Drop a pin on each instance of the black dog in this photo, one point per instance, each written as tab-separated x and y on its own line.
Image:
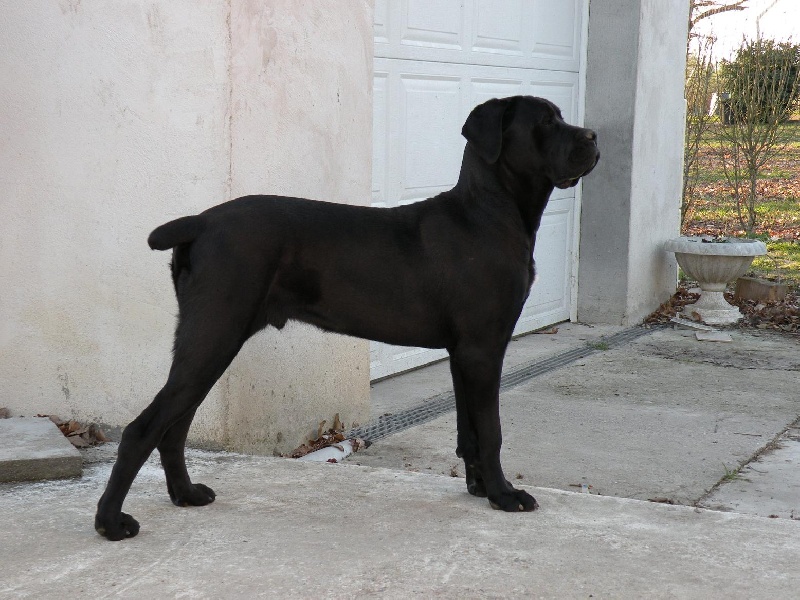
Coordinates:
450	272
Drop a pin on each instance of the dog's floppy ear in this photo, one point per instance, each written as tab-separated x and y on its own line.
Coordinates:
484	128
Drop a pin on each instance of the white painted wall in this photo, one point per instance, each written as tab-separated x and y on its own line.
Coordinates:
117	116
658	137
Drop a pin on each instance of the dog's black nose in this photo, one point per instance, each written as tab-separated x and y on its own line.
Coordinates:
591	135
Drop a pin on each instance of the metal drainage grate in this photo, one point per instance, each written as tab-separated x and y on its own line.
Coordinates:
386	425
436	406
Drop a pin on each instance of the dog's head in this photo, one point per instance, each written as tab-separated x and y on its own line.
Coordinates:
530	137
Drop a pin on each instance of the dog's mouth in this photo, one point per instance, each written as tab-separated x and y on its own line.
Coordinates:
568	183
564	184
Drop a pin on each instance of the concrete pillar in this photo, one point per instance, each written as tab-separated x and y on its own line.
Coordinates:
631	203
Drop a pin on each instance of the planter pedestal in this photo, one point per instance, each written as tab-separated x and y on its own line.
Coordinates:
713	309
713	265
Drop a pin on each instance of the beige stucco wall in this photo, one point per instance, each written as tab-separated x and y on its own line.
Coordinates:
117	116
302	106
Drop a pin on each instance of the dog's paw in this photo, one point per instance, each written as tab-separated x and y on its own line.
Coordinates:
475	484
514	501
116	528
196	494
477	488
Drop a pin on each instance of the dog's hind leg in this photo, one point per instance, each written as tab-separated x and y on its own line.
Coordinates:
181	490
476	382
207	340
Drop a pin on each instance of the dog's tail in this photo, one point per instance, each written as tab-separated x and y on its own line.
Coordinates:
174	233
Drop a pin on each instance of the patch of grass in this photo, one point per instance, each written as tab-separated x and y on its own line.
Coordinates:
776	173
601	345
782	261
791	130
710	209
779	210
731	474
782	212
710	175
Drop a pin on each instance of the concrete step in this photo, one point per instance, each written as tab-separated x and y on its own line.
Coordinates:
33	449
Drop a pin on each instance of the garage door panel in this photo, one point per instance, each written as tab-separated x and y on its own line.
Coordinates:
380	122
553	252
435	60
563	94
380	29
482	90
388	360
431	112
418	117
556	29
432	23
498	27
549	298
519	33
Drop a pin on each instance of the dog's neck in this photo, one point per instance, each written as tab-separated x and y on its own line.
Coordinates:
527	195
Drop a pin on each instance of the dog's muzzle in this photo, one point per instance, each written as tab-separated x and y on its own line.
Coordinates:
573	181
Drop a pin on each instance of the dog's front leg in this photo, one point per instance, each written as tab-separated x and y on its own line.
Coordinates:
467	447
476	383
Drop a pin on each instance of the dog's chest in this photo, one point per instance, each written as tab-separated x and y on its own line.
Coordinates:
531	272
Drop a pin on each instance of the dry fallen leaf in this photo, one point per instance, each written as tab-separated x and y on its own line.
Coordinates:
337	424
550	331
325	438
672	307
781	316
78	441
81	436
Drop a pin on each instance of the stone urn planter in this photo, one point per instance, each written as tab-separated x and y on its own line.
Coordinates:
713	263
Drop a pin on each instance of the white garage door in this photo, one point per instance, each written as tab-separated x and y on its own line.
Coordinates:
434	61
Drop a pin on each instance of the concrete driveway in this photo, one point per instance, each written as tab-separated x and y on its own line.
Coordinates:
659	417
